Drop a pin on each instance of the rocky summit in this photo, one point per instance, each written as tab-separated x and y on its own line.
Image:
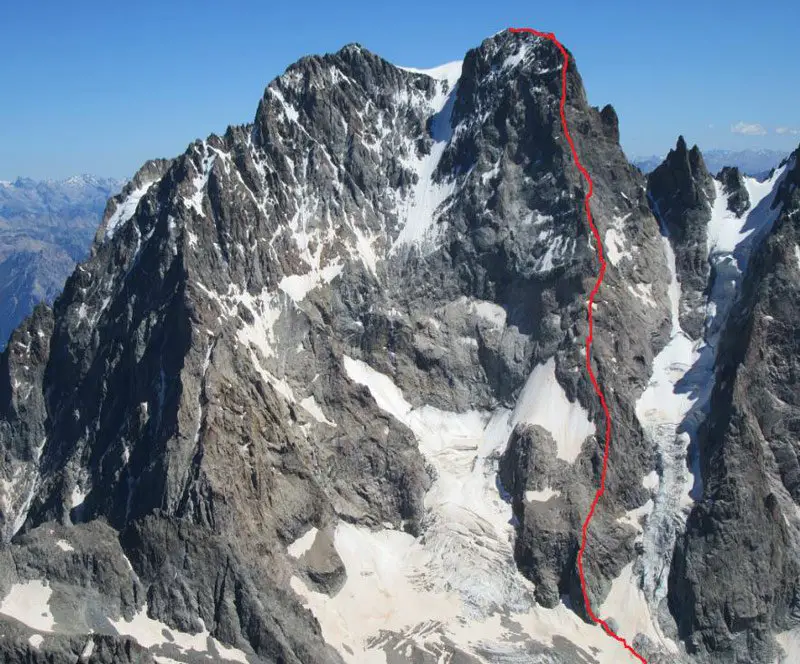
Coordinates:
319	393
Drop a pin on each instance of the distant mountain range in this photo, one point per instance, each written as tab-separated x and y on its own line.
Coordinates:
755	163
46	227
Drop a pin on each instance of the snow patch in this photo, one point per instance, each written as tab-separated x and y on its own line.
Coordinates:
291	111
200	181
614	243
488	311
543	402
64	545
77	496
297	286
628	606
790	644
302	544
312	407
266	310
643	292
126	209
88	649
541	496
36	640
29	603
150	633
651	480
513	60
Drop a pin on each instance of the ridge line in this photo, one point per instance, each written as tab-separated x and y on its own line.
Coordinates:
598	390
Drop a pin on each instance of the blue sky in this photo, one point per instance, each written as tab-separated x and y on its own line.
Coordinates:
99	87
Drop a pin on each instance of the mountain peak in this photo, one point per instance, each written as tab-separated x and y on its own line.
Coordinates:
681	192
354	331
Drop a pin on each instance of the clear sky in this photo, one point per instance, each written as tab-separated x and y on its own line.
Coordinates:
99	87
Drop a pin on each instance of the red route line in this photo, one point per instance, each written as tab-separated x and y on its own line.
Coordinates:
600	491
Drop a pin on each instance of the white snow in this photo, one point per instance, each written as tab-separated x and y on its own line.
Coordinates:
458	579
64	545
628	606
559	250
651	480
790	643
614	243
297	286
449	72
643	293
77	496
200	180
392	586
16	494
266	310
88	649
725	229
513	60
302	544
312	407
614	246
150	633
458	583
423	205
541	496
661	409
291	111
29	603
488	311
543	402
35	640
126	209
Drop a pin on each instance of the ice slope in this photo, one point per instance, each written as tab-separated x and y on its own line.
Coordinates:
567	421
423	206
456	586
126	209
675	402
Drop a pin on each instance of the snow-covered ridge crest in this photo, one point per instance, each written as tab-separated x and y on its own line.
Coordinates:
449	72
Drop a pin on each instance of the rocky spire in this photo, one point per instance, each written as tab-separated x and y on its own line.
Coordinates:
681	192
733	186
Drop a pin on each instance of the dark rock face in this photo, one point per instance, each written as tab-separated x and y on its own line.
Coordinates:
45	228
681	192
733	186
743	533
